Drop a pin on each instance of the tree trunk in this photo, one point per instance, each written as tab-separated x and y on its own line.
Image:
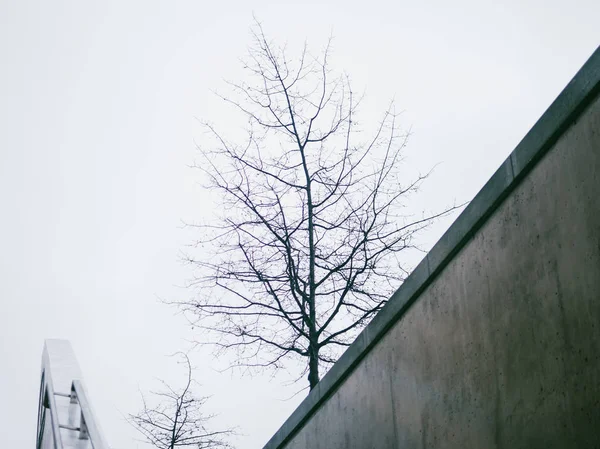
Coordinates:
313	366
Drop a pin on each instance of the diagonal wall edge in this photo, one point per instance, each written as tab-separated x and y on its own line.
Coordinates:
564	111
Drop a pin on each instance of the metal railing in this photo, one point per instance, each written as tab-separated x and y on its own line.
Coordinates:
62	424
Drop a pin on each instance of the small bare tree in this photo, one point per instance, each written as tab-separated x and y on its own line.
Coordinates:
178	419
305	249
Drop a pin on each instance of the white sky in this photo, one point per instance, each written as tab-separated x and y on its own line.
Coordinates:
97	106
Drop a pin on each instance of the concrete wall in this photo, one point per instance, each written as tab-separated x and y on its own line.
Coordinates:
494	341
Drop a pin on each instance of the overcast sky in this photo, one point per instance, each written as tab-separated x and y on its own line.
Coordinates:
97	128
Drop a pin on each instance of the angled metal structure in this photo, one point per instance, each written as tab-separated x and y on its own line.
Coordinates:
65	418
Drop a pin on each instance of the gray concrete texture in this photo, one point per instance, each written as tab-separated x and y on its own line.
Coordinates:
501	349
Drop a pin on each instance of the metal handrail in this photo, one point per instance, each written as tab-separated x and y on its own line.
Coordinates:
41	412
88	427
53	411
61	371
88	424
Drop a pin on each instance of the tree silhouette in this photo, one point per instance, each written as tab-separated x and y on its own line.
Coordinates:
306	246
178	419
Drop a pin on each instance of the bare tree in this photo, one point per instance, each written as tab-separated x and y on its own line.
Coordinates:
305	249
178	420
